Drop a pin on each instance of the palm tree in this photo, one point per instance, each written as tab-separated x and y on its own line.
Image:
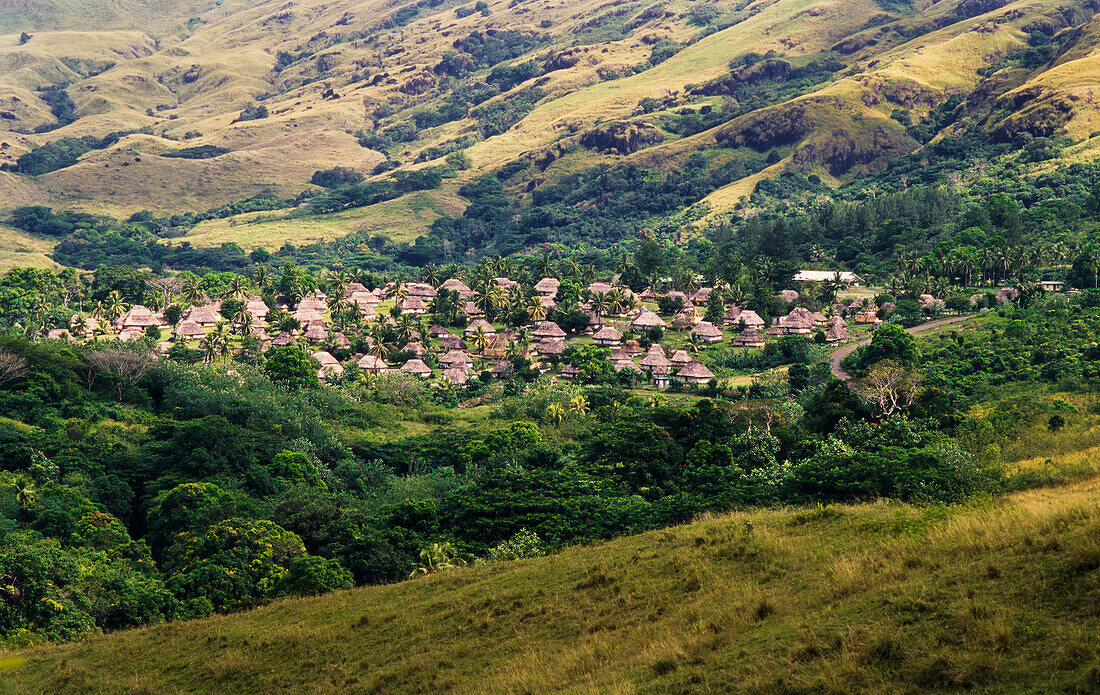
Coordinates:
490	299
1093	259
25	493
115	307
601	303
535	309
406	328
261	276
238	287
430	275
622	263
242	321
545	265
437	557
578	404
480	339
555	413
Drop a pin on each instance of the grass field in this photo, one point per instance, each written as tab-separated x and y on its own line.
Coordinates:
994	597
18	248
402	219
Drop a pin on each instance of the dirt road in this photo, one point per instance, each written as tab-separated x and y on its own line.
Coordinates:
836	357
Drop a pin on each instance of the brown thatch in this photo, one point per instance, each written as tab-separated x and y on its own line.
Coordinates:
547	286
550	346
750	337
548	329
416	366
455	358
608	336
695	372
655	359
707	331
646	320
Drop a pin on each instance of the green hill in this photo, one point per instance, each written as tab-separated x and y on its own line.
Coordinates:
877	598
283	89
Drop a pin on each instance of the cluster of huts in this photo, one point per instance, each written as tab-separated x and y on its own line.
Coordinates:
456	351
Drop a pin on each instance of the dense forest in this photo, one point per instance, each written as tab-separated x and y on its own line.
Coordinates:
143	489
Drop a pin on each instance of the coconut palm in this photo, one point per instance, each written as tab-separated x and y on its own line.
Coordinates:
242	321
578	404
555	413
437	557
535	309
490	299
23	486
600	303
114	307
430	274
480	339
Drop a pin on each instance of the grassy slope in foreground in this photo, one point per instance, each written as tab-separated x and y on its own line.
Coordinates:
873	598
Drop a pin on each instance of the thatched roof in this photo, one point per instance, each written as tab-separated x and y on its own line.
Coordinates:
310	303
420	289
325	359
548	329
835	332
455	357
416	366
751	319
459	376
138	317
608	333
372	363
706	329
188	330
456	285
203	315
695	371
480	323
416	348
647	319
680	357
283	339
749	336
655	358
413	303
789	296
547	286
550	346
451	342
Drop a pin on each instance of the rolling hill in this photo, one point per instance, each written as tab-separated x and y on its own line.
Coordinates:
277	90
856	599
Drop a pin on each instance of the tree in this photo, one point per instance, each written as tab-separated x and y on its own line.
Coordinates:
185	510
168	286
888	387
234	564
291	366
12	366
125	367
309	575
437	557
891	342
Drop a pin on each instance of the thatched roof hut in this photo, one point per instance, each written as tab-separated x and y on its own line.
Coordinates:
695	373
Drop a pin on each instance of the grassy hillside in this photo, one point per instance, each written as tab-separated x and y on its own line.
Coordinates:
995	597
326	72
18	248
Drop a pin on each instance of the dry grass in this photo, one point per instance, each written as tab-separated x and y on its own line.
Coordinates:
18	248
402	220
869	598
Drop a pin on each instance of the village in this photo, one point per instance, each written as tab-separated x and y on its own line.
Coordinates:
662	337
